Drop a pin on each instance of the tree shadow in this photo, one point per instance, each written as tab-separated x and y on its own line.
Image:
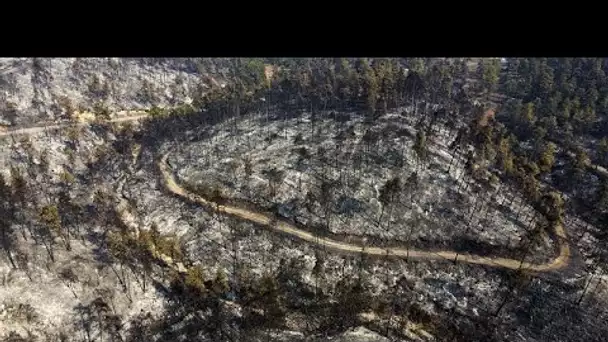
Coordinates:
550	313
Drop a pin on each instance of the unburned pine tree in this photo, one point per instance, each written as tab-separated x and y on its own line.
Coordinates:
220	283
50	225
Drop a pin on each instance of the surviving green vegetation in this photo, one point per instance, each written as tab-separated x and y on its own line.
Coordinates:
415	198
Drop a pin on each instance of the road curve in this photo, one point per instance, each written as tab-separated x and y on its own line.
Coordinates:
559	262
278	225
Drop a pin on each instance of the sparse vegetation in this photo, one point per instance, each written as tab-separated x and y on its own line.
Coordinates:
295	199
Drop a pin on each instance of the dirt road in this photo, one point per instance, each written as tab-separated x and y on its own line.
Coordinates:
40	129
560	261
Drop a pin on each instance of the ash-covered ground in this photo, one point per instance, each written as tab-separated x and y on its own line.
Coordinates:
440	211
47	297
427	217
218	162
42	90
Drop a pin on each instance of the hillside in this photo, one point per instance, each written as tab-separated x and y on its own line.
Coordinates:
303	200
43	90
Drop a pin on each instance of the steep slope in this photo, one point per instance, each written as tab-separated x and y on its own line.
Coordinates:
36	90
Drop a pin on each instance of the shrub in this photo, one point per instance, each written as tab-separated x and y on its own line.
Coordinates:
157	111
101	111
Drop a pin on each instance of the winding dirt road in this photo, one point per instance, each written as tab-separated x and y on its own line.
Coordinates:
278	225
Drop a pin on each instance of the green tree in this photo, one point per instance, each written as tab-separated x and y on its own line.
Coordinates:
552	206
505	156
508	166
581	161
194	279
488	71
566	111
220	283
142	250
417	65
547	158
101	111
545	83
370	89
51	225
550	124
531	187
346	82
